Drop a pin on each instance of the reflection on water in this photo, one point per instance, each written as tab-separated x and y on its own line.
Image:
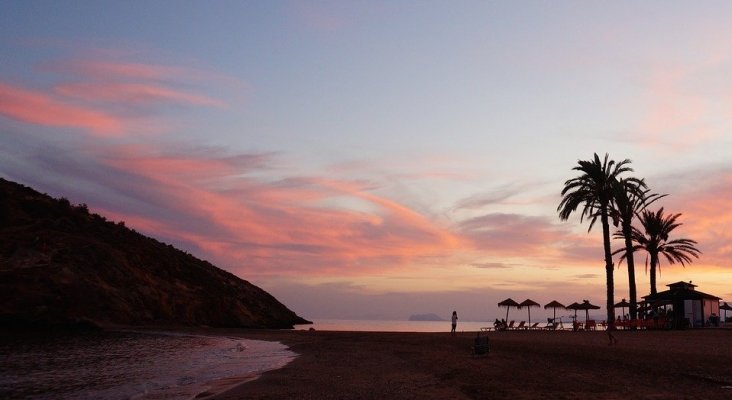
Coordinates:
128	365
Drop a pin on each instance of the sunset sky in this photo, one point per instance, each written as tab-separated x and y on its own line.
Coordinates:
375	159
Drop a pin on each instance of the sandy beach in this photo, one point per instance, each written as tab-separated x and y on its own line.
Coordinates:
692	364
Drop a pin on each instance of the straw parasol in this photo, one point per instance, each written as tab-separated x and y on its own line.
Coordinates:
554	304
622	304
587	306
574	306
508	303
725	307
528	303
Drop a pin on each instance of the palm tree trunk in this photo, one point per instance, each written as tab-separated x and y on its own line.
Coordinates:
631	271
609	267
654	263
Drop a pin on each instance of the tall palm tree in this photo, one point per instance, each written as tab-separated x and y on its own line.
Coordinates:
631	197
593	190
655	240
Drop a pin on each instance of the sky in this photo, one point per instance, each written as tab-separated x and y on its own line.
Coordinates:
373	160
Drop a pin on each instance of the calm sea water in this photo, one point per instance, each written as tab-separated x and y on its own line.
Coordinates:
392	326
130	365
407	326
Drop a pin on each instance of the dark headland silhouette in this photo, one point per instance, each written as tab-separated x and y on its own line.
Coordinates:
61	266
426	317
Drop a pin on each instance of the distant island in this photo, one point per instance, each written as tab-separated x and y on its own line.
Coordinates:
62	266
425	317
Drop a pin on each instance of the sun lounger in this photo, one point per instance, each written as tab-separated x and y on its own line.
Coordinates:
590	325
535	325
520	326
551	326
510	325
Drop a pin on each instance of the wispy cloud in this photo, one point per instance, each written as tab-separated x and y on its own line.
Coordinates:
587	276
685	102
40	108
236	210
702	196
492	265
105	70
143	94
481	200
514	234
105	98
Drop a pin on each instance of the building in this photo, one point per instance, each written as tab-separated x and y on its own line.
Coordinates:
691	308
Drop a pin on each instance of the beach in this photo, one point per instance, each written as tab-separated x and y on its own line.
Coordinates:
690	364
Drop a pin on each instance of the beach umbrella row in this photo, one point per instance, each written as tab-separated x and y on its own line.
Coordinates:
528	303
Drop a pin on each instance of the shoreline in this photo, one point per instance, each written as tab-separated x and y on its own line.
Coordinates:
521	365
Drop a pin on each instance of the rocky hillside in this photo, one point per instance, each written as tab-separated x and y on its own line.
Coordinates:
62	266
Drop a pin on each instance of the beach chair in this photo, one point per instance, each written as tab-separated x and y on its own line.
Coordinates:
521	325
590	325
551	326
510	325
534	326
481	345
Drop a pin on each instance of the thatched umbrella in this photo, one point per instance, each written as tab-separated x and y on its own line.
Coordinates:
528	303
725	307
554	304
575	307
508	303
622	304
587	306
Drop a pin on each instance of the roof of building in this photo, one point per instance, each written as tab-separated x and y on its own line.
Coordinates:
679	291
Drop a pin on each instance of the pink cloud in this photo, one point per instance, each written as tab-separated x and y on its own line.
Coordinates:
686	102
106	98
704	198
132	93
515	235
281	226
674	115
42	109
105	70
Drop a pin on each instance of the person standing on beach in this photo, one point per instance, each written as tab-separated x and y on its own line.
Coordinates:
454	322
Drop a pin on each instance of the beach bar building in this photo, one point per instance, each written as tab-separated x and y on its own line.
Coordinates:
691	308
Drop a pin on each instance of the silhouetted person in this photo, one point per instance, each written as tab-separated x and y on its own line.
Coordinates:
454	322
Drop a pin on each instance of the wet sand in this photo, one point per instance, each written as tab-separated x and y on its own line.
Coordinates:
692	364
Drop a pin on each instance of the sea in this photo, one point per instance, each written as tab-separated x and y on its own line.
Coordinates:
130	365
391	326
414	326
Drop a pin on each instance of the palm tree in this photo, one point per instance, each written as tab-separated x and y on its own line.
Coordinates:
593	190
631	197
655	240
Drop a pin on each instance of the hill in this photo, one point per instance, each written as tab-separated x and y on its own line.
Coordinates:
425	317
63	266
